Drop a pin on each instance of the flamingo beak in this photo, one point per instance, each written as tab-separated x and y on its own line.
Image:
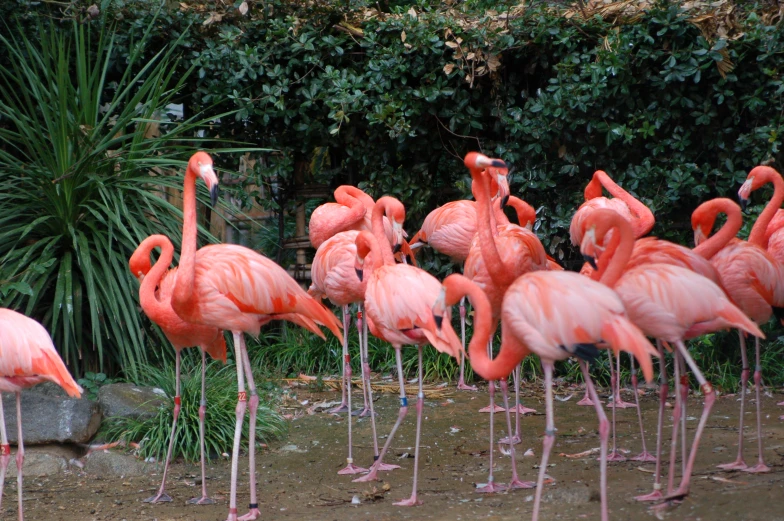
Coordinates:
699	236
592	261
359	273
214	195
438	309
743	203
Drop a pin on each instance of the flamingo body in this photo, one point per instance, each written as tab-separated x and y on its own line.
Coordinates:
332	271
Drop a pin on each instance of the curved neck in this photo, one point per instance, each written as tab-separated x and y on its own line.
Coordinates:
374	251
619	251
757	235
726	233
384	249
186	273
643	216
153	307
495	267
353	197
526	215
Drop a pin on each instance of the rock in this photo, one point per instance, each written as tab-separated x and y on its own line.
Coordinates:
48	419
130	401
43	460
109	463
49	389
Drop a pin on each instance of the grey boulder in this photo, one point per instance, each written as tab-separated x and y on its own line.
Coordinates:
51	419
130	401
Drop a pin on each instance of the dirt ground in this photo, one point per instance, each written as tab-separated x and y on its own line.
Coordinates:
298	480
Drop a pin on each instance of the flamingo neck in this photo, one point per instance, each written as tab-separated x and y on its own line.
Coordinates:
384	249
495	266
355	199
726	233
643	216
153	307
620	251
182	294
757	235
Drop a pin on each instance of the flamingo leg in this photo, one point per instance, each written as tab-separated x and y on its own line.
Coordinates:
760	466
413	501
343	407
518	409
253	405
644	455
350	468
461	385
684	399
676	414
491	485
373	474
663	389
204	499
515	483
739	464
19	454
5	450
549	436
710	398
614	403
161	496
362	359
492	407
240	416
617	400
603	434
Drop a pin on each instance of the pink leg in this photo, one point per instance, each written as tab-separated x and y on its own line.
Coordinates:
603	433
739	464
204	499
710	397
663	388
492	407
253	405
684	399
644	455
676	414
586	401
365	388
491	486
461	385
615	386
350	468
366	373
413	501
760	466
617	400
240	416
162	496
515	483
373	474
343	407
549	435
19	453
518	409
5	450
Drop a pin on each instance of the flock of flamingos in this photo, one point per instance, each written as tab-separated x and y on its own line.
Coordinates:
630	289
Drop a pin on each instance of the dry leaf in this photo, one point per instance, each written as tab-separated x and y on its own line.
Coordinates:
493	62
407	45
403	37
183	6
413	13
470	56
243	8
448	68
451	45
561	151
214	17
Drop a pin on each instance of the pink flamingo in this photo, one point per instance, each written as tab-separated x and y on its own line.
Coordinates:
29	358
657	299
494	263
233	288
157	283
642	220
401	316
334	277
555	314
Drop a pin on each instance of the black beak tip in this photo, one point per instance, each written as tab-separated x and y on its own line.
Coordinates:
743	203
504	201
497	163
590	260
397	247
359	274
214	195
439	321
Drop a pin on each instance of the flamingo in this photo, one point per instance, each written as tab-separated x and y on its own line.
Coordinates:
334	277
642	220
155	293
401	316
233	288
554	314
657	299
755	282
29	358
495	262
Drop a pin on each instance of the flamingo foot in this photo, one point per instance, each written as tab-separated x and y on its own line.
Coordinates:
387	466
351	469
738	464
656	495
677	495
410	502
759	468
370	476
780	403
490	488
462	386
204	500
522	409
357	412
620	404
252	514
517	484
343	407
498	408
365	412
614	456
586	401
505	441
644	457
160	497
781	417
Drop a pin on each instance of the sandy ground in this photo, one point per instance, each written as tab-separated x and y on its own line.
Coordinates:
298	480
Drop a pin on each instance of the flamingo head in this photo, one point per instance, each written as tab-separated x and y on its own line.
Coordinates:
704	216
758	176
200	165
439	308
363	244
597	226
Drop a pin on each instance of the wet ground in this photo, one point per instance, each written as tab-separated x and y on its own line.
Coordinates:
298	480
